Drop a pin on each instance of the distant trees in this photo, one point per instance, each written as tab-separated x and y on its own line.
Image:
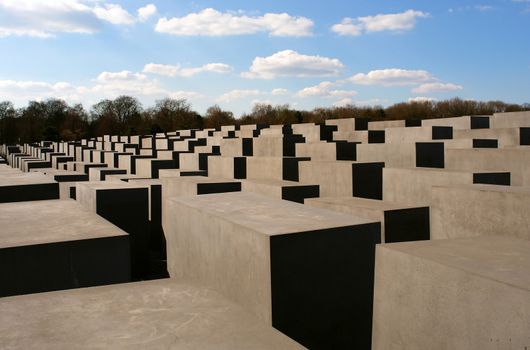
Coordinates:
171	114
215	118
54	119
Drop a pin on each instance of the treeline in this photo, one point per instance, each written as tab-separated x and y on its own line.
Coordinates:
56	120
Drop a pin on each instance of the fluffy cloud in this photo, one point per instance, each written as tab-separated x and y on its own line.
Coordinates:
176	70
22	91
210	22
382	22
279	92
436	87
289	63
235	95
114	14
44	19
324	90
106	85
421	99
146	12
393	77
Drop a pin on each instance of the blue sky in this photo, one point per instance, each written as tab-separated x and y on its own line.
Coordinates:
237	53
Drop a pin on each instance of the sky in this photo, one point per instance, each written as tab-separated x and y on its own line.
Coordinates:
304	53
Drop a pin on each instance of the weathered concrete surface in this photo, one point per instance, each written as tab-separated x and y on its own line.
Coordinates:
468	293
473	210
40	222
146	315
234	243
280	189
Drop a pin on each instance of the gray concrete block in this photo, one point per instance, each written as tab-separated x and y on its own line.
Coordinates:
470	293
278	259
57	244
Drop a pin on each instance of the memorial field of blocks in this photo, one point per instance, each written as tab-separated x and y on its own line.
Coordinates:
352	234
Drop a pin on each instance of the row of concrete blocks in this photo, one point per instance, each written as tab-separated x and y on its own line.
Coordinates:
377	339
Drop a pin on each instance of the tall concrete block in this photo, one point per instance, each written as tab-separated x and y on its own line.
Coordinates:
470	293
306	271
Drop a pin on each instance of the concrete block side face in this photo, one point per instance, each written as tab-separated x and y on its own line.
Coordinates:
411	224
240	168
215	252
299	193
346	150
492	178
367	180
478	122
430	154
458	212
322	286
220	187
524	136
248	147
361	123
290	168
485	143
64	265
157	165
32	192
442	132
129	210
420	304
376	136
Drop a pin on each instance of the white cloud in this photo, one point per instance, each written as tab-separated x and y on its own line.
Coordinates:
343	102
237	95
44	19
421	99
146	12
279	92
177	70
114	14
393	77
382	22
261	102
186	95
210	22
289	63
436	87
22	91
324	90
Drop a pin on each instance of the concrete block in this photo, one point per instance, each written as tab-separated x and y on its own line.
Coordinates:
151	315
413	186
399	222
470	293
514	160
227	167
274	168
278	260
56	244
281	189
126	206
344	178
18	186
471	210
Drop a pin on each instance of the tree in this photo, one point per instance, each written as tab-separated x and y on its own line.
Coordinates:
175	114
8	127
215	118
